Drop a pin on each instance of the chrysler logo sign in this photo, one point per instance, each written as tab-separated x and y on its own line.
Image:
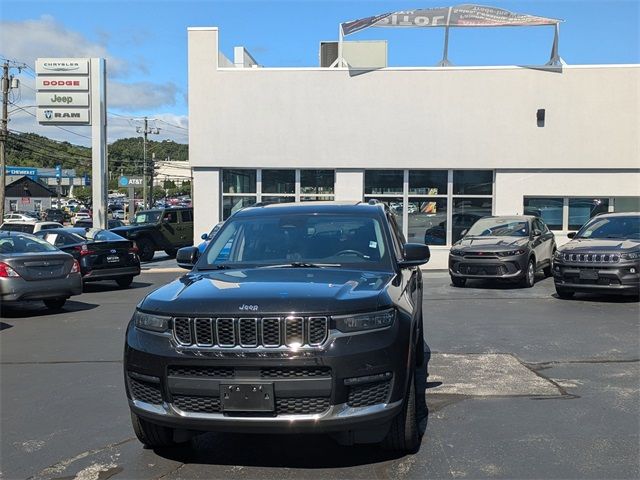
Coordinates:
61	66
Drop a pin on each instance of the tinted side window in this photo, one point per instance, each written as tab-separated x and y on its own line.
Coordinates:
186	216
396	236
171	217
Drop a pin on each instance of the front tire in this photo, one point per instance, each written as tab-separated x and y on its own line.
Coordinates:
146	249
404	433
54	303
529	278
564	293
150	434
458	282
124	282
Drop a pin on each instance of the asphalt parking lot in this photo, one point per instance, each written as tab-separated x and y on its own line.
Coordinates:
522	385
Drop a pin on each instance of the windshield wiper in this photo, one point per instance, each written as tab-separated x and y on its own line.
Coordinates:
303	265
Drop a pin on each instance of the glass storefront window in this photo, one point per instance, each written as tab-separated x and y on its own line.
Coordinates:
319	198
238	181
383	182
428	182
231	204
548	209
427	221
626	204
278	181
466	211
313	182
277	199
473	182
583	209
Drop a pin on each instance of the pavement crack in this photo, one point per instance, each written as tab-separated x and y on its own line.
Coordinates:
172	471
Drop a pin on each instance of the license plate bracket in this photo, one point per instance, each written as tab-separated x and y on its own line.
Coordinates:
247	397
589	275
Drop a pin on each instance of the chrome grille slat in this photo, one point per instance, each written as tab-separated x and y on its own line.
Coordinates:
294	331
248	332
253	332
226	332
203	331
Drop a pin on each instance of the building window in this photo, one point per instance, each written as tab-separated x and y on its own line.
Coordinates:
581	210
279	181
549	209
239	181
435	206
626	204
244	187
383	182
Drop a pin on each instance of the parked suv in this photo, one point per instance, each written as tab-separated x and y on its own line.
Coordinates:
165	229
296	318
603	257
504	248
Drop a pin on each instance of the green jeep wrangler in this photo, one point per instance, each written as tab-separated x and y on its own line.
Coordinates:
165	229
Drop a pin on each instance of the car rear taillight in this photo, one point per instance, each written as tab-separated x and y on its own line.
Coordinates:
76	267
134	248
84	250
7	272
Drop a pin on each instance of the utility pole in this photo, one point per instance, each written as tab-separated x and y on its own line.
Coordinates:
145	131
6	83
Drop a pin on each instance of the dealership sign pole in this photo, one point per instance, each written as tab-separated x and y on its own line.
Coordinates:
72	91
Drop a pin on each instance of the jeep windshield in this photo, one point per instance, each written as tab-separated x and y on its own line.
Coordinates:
623	227
301	240
152	216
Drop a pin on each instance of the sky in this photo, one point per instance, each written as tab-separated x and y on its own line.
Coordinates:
145	44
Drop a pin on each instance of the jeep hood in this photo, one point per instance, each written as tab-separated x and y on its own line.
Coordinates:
258	292
595	245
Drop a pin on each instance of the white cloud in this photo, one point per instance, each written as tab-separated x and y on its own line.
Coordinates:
139	96
45	37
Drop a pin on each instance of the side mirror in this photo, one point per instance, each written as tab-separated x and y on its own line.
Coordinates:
571	234
187	257
415	254
204	236
463	232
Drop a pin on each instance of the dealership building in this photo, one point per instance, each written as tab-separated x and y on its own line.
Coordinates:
442	146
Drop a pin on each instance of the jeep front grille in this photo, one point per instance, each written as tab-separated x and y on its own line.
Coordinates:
269	332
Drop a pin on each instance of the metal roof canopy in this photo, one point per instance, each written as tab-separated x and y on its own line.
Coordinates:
465	15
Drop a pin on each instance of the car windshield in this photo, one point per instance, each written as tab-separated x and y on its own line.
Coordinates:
23	244
612	227
147	217
337	240
499	227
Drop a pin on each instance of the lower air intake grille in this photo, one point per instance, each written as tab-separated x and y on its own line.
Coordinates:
301	406
197	371
145	392
295	372
365	395
188	403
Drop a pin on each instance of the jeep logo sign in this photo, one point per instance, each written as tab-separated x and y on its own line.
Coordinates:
70	99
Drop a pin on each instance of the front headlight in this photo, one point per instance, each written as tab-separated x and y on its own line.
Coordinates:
557	255
630	256
512	253
365	321
456	252
147	321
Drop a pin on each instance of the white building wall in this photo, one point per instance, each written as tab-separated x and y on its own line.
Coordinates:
349	184
206	199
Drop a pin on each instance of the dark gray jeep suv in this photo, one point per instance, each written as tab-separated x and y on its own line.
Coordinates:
602	257
296	318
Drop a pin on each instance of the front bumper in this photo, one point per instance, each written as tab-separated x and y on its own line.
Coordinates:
620	278
491	266
19	289
325	402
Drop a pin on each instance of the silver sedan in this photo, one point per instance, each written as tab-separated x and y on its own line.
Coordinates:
32	269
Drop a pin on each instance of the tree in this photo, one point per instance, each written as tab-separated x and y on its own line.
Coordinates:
82	194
